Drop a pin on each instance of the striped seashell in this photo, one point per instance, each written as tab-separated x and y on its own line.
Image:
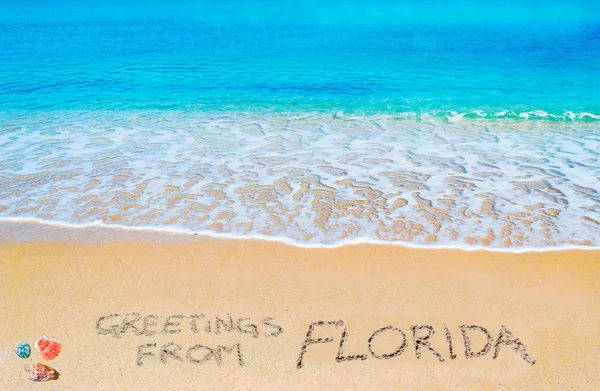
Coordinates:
23	350
47	348
41	372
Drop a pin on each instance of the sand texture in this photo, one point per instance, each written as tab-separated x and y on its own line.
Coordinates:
216	314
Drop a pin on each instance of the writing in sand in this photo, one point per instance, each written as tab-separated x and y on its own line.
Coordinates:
421	336
117	325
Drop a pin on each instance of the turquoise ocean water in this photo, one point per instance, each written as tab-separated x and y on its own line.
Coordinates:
427	122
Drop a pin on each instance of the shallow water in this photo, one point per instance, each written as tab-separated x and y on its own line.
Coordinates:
416	123
313	178
134	59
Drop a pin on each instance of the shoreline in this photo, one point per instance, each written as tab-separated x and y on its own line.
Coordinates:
299	178
32	229
156	285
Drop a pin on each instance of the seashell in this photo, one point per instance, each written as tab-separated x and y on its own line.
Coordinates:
41	372
23	350
47	348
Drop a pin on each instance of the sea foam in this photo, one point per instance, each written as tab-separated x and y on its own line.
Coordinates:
309	178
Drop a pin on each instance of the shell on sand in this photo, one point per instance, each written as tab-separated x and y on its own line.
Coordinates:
41	372
23	350
47	348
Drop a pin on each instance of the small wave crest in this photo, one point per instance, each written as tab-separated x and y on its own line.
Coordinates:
533	115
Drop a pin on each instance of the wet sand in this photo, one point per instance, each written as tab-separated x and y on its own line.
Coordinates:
116	300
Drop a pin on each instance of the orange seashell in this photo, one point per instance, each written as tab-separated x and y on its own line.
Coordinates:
41	372
47	348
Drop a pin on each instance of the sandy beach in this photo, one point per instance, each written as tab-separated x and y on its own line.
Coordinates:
157	312
299	195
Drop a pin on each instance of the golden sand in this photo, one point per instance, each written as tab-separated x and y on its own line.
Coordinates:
117	304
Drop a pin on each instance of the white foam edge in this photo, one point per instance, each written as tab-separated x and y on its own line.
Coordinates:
292	242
